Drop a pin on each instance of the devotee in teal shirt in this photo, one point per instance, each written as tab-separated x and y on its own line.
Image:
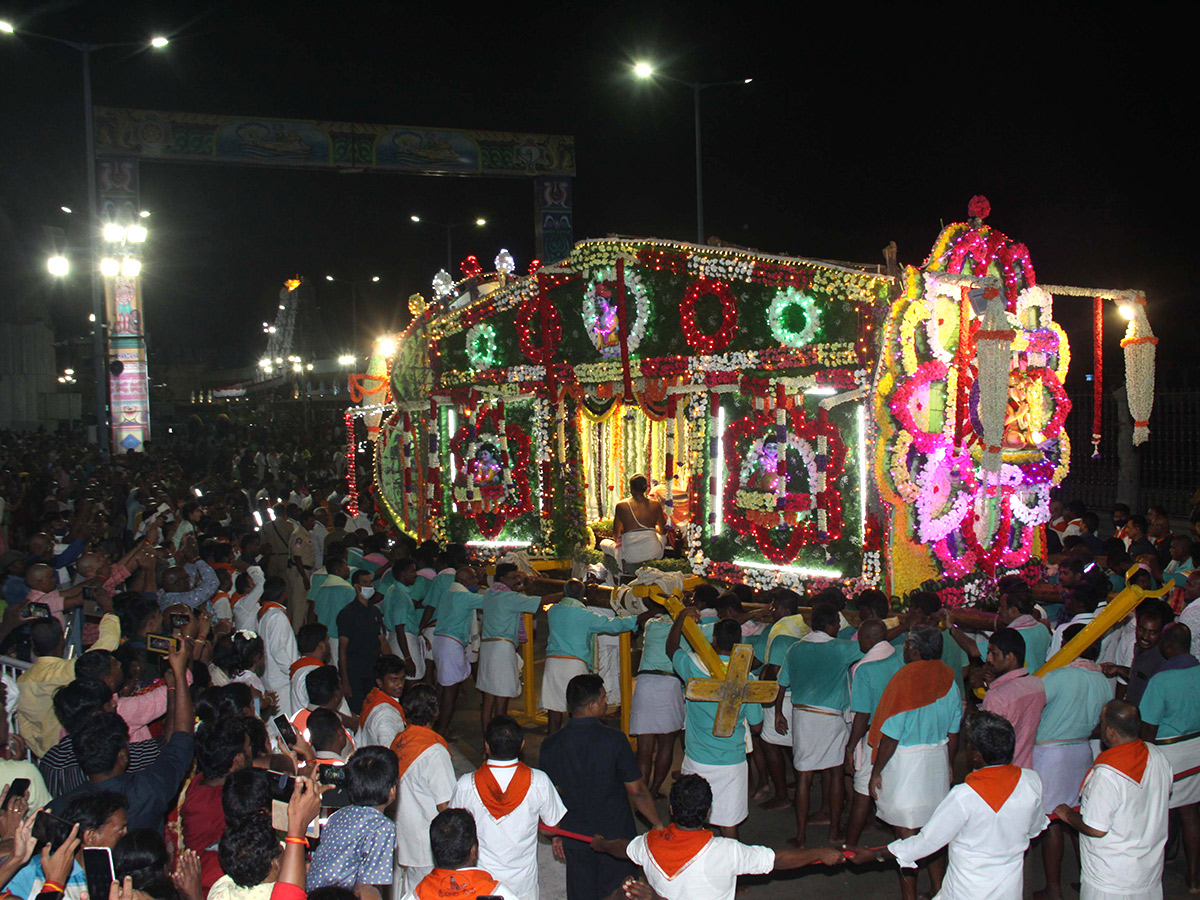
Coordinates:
870	679
572	626
701	744
816	669
1171	702
502	611
654	645
456	610
333	597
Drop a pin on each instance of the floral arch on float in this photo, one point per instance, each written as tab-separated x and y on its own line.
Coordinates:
804	422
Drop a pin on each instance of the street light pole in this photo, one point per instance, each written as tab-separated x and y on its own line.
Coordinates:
478	223
103	438
85	50
644	71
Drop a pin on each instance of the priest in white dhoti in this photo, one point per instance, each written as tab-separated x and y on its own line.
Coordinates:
1122	821
639	524
508	799
1170	711
913	737
987	822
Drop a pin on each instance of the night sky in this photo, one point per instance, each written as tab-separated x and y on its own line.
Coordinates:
865	123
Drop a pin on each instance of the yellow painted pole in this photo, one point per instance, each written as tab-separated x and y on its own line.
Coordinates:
1118	608
626	639
527	659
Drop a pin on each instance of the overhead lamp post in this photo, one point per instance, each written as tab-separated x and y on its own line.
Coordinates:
85	51
354	285
646	72
478	223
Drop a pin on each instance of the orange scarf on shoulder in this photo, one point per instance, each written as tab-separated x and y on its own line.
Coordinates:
500	803
262	610
995	784
375	697
455	884
673	848
1128	759
412	742
304	662
917	684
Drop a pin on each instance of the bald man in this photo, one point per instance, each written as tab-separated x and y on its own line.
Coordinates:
43	588
192	584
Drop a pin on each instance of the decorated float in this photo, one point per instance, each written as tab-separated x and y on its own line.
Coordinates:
804	422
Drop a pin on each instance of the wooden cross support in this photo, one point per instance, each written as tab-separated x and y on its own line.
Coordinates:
733	690
730	686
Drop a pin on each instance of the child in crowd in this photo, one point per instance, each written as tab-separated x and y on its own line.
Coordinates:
358	842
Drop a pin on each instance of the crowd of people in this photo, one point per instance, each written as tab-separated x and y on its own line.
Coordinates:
240	685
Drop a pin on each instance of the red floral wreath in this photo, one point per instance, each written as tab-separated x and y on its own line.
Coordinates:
491	518
739	436
539	348
719	339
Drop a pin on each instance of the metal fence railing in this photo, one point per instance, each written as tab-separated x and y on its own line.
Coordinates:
1167	470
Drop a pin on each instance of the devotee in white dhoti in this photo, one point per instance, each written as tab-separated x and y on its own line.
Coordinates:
987	822
1122	820
913	737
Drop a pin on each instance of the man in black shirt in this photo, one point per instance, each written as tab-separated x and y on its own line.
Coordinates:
360	625
596	774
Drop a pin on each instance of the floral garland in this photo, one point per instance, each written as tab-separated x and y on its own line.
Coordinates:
943	504
719	339
483	350
1139	346
600	316
491	505
785	300
824	524
540	314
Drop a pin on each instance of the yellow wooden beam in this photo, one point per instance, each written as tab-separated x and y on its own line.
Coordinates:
626	649
527	658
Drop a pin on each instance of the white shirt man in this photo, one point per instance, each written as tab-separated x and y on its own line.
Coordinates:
987	831
426	785
1122	819
508	843
245	610
711	874
279	645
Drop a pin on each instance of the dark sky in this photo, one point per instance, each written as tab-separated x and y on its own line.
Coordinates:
865	123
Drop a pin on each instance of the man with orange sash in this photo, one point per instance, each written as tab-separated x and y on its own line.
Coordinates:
312	643
1122	821
426	783
455	875
507	798
986	822
279	641
381	717
686	861
913	737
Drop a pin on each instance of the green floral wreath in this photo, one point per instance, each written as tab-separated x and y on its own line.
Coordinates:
784	300
482	350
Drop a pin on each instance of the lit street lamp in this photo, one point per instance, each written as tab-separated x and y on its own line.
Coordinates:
85	51
646	71
478	223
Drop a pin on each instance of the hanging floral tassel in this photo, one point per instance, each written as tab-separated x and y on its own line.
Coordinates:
1097	372
1139	346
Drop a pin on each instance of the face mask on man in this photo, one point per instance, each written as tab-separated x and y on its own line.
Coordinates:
368	592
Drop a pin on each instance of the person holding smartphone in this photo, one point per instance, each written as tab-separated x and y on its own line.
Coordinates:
106	735
15	770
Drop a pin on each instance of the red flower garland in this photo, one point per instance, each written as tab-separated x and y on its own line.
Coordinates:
719	339
517	502
541	349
